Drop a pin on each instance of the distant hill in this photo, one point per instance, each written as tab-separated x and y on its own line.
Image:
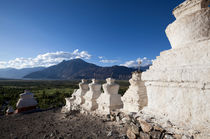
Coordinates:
79	69
12	73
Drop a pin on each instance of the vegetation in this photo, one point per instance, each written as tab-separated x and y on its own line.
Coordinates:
48	93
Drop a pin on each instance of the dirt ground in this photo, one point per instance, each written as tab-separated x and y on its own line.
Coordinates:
54	124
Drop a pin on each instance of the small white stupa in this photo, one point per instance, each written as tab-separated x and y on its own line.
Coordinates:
78	95
10	110
69	104
135	98
26	102
72	103
91	96
110	99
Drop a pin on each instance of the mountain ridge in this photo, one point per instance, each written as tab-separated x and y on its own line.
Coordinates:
80	69
12	73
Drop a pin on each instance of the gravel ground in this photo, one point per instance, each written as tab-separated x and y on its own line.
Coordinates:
54	124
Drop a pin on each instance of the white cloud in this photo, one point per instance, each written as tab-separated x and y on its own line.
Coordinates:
44	60
108	61
134	63
100	57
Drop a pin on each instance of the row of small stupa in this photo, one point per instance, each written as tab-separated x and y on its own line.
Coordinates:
91	98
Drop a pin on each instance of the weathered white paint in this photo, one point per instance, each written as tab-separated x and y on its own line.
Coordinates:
110	99
135	98
26	100
178	82
91	96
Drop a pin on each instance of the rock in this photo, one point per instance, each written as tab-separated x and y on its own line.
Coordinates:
52	134
134	129
109	134
123	136
126	120
144	135
158	128
132	114
121	115
108	116
155	134
169	123
168	136
186	137
112	118
146	127
117	118
130	134
46	136
57	132
177	136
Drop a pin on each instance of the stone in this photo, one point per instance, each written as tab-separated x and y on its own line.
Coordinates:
109	134
10	110
155	134
158	128
130	134
178	82
112	118
123	136
26	102
135	98
108	116
177	136
186	137
146	127
135	129
168	136
109	100
117	118
125	120
91	96
144	135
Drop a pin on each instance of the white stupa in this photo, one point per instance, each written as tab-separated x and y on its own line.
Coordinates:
69	104
178	82
72	103
91	96
26	102
78	95
135	98
110	99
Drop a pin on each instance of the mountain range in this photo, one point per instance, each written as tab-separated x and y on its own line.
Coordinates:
79	69
70	70
11	73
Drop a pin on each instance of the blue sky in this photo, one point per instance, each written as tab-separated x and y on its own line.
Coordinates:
117	31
